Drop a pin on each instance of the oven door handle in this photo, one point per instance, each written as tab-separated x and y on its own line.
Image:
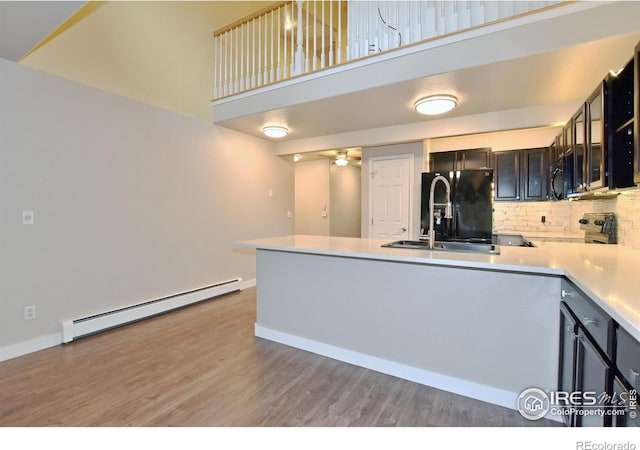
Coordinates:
553	184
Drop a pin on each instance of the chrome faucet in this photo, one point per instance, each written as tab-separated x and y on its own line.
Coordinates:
448	213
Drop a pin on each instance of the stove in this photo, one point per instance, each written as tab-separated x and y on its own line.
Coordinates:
599	228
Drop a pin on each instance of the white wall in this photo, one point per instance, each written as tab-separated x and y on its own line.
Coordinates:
131	202
345	201
312	197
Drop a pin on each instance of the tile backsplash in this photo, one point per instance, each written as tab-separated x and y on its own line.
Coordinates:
563	216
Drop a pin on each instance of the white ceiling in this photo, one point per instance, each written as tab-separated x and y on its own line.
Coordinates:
24	24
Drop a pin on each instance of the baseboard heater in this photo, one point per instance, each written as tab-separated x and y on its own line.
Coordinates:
73	329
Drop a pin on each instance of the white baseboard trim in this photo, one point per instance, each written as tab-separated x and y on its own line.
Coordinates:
446	383
246	284
22	348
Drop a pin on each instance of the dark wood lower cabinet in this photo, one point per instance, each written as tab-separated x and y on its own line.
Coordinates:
567	366
593	380
585	373
598	370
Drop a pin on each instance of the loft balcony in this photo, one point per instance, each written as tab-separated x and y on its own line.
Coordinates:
338	67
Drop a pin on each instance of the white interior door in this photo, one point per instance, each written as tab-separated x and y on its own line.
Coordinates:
390	195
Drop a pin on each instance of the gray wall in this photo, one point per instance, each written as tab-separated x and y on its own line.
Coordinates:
131	202
312	197
346	201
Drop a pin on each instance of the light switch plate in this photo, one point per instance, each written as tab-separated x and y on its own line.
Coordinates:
27	217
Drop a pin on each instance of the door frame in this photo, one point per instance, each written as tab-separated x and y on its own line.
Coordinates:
411	158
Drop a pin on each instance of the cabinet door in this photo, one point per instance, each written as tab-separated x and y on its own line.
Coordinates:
579	153
534	176
442	162
506	167
636	122
596	172
622	395
567	159
568	345
474	159
593	375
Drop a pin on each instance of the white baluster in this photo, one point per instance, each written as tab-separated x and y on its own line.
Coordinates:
315	37
236	53
253	53
322	59
306	41
299	57
247	73
259	39
278	72
292	59
414	17
477	13
331	52
491	13
339	31
272	66
464	15
241	57
285	63
227	64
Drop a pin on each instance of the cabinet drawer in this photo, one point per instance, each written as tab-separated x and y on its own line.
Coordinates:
598	324
628	358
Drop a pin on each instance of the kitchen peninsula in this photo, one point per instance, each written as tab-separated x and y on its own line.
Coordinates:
484	326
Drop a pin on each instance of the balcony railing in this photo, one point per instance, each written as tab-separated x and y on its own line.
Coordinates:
301	36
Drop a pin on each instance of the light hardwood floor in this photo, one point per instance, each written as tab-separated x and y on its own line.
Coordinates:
202	366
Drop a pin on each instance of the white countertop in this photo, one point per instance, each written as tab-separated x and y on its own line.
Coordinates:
608	274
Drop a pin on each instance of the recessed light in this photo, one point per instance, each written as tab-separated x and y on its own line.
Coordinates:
275	131
436	104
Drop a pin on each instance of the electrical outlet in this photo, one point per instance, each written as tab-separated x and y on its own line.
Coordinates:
543	219
29	312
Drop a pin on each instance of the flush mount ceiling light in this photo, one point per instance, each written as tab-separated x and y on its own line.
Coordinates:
275	132
436	104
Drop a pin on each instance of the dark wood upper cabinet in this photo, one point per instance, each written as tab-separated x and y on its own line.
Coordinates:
521	175
620	127
579	152
442	162
636	123
534	174
506	172
460	160
596	175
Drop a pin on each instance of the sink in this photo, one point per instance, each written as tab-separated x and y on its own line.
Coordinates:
512	240
464	247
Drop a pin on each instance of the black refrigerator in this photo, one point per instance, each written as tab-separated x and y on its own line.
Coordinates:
472	201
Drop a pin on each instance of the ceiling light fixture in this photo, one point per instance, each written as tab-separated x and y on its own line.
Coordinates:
341	160
296	157
275	132
436	104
